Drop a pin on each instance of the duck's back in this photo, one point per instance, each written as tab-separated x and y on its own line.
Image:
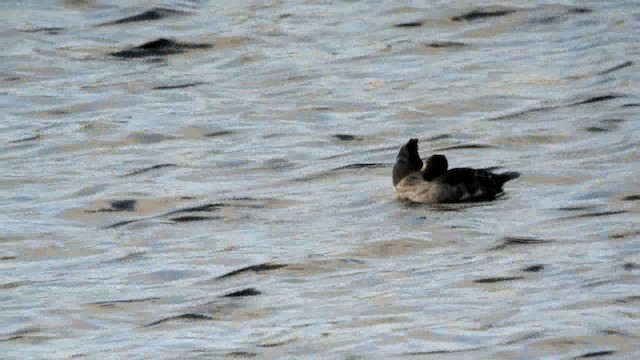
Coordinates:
467	184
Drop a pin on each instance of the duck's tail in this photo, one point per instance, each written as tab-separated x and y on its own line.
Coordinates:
408	161
506	176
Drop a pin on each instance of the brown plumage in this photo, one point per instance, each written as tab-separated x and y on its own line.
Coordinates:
433	181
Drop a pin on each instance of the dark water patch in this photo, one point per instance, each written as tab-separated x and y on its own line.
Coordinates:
110	303
243	292
624	234
117	206
409	24
14	284
149	15
603	72
19	334
631	266
180	86
436	352
631	105
347	137
253	268
497	279
27	139
615	68
579	10
187	316
631	198
524	112
629	299
446	44
160	47
361	166
10	257
517	241
465	146
48	30
534	268
191	218
482	14
596	283
124	205
218	133
596	99
154	167
200	208
439	137
276	344
241	354
597	214
596	129
214	206
576	208
122	223
596	354
131	256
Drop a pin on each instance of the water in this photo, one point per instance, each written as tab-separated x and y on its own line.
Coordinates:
282	134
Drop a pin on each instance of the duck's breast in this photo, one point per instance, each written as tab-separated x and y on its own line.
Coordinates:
415	188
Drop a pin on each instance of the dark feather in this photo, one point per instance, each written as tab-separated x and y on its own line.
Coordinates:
475	184
407	161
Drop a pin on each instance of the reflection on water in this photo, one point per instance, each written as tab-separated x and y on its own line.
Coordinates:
206	180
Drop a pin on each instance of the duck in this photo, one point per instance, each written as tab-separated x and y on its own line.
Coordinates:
432	182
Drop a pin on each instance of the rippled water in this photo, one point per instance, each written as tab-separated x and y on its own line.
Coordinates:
256	140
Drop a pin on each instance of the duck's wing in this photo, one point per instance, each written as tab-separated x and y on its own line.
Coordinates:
407	161
467	184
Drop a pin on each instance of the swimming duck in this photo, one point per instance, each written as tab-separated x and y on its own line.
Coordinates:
433	182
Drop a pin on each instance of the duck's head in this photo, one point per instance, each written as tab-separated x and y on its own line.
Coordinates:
436	165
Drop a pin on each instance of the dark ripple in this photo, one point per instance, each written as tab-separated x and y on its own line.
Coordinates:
497	279
243	292
596	214
347	137
409	24
534	268
192	218
48	30
603	72
187	316
110	303
154	167
253	268
180	86
436	352
361	166
465	146
596	353
149	15
160	47
517	241
596	99
27	139
576	208
590	100
122	223
482	14
446	44
218	133
630	266
118	206
631	198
